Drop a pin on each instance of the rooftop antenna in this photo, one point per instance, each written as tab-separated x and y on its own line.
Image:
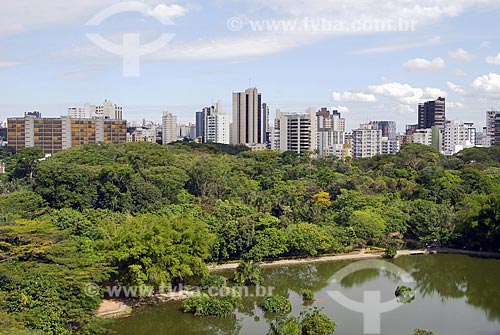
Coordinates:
250	82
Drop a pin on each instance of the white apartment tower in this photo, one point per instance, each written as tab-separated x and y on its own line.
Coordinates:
217	128
367	142
169	128
458	136
295	132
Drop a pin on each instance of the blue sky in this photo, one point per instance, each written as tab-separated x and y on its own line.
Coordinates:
47	62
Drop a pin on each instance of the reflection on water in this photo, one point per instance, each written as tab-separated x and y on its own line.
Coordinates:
446	286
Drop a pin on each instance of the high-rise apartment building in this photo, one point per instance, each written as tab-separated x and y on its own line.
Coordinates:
217	128
390	141
200	124
250	121
265	124
457	136
295	132
388	128
496	137
432	113
56	134
330	133
490	122
212	125
186	130
107	111
169	128
422	136
332	121
367	141
330	142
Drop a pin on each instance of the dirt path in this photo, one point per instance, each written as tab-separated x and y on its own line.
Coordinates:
361	255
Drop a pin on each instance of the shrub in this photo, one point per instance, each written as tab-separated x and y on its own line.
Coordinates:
422	332
278	304
219	306
391	252
310	323
307	295
316	323
285	326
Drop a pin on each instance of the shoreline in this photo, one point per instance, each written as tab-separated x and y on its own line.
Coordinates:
361	255
122	309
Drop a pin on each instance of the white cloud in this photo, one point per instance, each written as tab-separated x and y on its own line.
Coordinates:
455	88
6	64
398	47
342	109
405	93
353	97
489	84
493	59
462	56
165	13
237	47
455	105
486	44
421	64
405	109
27	15
460	73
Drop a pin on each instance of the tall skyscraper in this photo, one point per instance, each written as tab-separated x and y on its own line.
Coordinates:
250	122
169	128
432	113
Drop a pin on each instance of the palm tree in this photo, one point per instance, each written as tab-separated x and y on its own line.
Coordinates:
248	274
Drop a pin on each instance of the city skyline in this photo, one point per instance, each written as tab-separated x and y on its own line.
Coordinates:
366	75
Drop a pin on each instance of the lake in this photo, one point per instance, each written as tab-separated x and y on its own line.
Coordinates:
455	295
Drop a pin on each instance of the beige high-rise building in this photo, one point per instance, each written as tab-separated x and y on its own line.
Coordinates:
169	128
250	121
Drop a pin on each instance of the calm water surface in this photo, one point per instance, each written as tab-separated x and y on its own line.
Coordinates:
455	295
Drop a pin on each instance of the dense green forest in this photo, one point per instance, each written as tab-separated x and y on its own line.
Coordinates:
140	213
